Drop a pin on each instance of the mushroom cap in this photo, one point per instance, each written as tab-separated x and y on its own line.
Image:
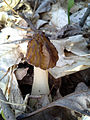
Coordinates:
41	52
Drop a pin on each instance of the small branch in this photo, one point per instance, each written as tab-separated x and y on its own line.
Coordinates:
83	19
9	103
9	115
5	73
29	22
36	3
22	16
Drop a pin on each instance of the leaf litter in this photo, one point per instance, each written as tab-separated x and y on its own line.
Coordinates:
73	52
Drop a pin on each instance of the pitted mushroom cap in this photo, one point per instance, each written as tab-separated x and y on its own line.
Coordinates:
41	52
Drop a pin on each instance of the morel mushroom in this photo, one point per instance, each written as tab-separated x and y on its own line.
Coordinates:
43	55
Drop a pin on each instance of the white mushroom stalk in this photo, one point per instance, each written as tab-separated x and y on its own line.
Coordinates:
40	83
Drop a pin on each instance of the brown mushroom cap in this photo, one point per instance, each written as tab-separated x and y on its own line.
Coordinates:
41	52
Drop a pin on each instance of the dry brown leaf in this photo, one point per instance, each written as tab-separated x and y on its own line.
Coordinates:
78	102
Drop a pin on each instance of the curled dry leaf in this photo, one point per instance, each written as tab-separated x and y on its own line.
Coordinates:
78	102
20	73
59	17
12	3
69	30
11	54
75	58
41	52
76	17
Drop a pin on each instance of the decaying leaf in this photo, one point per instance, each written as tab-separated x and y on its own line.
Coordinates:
10	54
40	23
45	6
59	17
73	56
41	52
20	73
81	87
69	30
76	17
15	94
78	102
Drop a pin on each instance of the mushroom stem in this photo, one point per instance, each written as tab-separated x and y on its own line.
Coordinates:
40	83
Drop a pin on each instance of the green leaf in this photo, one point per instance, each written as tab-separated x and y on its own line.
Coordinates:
3	115
70	5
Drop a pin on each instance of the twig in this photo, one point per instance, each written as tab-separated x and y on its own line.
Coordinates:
9	115
5	73
83	19
36	2
29	22
9	103
22	16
